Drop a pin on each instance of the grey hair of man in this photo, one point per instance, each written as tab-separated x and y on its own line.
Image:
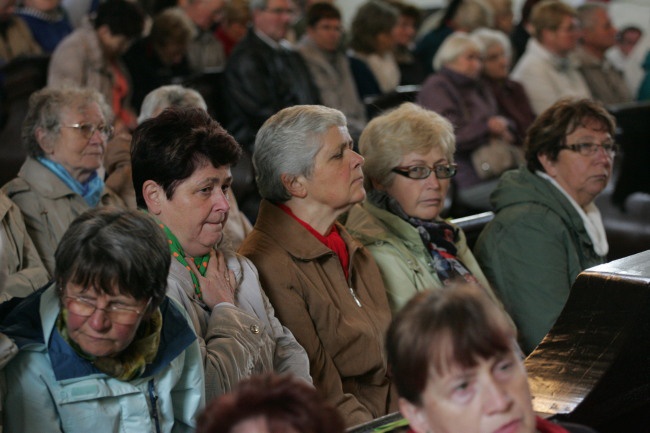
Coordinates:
586	12
45	109
173	95
255	5
490	37
453	46
390	136
288	143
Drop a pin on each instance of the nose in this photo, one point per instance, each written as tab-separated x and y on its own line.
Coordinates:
221	202
357	160
99	320
432	181
496	398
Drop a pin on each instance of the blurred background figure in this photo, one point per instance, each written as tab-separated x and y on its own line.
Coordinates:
546	209
65	133
620	54
105	333
408	21
457	367
546	69
47	21
91	57
15	37
205	52
160	58
502	15
597	35
372	42
330	69
459	16
270	404
456	93
235	19
511	98
323	284
409	163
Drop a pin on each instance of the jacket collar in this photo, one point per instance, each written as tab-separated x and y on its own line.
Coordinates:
43	181
294	238
32	322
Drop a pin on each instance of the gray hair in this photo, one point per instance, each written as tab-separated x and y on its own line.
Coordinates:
287	143
453	46
390	136
489	37
585	14
173	95
45	108
112	249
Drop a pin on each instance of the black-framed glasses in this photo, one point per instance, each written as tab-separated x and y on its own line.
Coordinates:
120	314
590	149
88	129
442	171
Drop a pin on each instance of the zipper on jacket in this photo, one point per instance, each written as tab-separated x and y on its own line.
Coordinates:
153	396
356	299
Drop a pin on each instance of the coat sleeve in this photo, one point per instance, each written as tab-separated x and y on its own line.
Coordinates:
527	265
230	339
289	355
28	405
188	394
285	294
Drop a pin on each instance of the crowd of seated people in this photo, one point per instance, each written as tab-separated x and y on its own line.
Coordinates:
143	316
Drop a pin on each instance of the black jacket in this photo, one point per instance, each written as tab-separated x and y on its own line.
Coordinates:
260	81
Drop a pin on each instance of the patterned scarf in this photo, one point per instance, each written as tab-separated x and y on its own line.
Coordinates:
176	249
132	361
438	237
91	190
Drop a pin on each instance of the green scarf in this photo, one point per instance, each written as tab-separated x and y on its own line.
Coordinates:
131	362
201	262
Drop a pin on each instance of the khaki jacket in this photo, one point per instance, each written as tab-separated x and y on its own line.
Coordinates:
237	342
19	260
311	296
48	206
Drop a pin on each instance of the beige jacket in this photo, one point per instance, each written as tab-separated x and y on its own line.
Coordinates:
48	206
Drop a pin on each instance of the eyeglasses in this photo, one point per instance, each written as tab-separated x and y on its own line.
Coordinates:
442	171
118	314
88	129
590	149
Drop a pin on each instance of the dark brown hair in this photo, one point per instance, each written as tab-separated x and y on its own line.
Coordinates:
459	316
287	403
547	134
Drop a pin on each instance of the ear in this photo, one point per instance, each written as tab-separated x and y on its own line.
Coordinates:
415	415
294	185
154	196
44	140
550	167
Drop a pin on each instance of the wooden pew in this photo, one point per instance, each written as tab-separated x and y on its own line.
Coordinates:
593	367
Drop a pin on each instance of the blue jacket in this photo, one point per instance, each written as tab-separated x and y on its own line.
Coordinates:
52	389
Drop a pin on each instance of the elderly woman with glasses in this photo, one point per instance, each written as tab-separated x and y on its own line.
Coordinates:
102	348
409	164
65	132
547	228
324	284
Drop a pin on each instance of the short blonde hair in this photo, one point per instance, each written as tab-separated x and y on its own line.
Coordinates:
390	136
548	15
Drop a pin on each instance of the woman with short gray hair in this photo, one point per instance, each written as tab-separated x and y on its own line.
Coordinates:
65	132
409	166
324	285
456	93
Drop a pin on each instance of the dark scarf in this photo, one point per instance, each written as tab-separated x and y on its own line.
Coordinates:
438	237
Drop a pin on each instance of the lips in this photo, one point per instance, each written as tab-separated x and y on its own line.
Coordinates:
509	427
